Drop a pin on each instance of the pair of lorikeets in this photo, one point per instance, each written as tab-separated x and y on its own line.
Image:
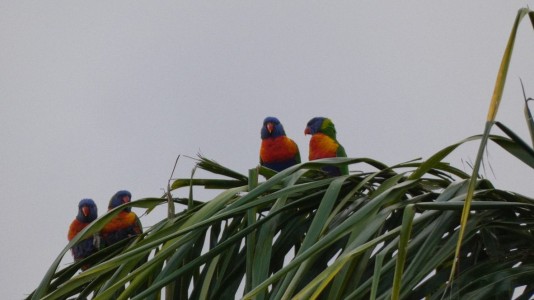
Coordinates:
124	225
279	152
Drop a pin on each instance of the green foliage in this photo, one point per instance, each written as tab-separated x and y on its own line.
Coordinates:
299	234
492	114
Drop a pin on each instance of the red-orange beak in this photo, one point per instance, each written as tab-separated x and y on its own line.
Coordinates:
86	211
270	127
307	131
125	199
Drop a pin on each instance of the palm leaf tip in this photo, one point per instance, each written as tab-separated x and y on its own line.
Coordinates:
216	168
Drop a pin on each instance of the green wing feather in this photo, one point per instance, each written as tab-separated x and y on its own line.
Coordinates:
138	225
341	153
297	155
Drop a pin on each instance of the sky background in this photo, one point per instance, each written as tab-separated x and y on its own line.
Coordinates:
102	96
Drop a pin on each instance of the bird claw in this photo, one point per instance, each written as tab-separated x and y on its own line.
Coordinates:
97	241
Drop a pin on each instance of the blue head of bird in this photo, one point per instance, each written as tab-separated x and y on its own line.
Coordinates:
120	198
272	128
87	211
321	125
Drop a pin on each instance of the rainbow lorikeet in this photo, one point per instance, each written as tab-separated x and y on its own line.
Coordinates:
124	225
87	212
277	151
323	144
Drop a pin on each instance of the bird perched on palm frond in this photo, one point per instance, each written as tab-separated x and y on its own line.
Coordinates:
125	224
323	144
277	151
87	213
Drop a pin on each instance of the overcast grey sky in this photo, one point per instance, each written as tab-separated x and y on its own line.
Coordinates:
103	96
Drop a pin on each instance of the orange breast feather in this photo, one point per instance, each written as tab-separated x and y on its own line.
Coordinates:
121	221
278	149
75	227
322	146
